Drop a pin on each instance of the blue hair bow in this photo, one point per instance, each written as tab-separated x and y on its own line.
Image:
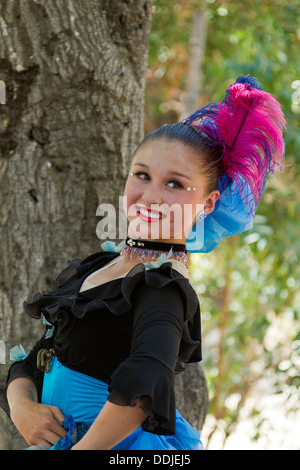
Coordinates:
230	217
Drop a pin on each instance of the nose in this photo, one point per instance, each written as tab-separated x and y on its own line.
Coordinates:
152	194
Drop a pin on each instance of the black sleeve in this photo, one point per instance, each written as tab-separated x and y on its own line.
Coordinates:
148	373
25	368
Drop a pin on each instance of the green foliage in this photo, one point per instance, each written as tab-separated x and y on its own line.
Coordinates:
260	38
262	319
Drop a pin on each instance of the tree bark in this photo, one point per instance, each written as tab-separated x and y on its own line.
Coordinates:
75	77
196	57
192	395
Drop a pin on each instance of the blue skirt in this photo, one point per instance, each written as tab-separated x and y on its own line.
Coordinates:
81	398
186	437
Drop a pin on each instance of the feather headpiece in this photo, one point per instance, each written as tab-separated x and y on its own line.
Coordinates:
248	125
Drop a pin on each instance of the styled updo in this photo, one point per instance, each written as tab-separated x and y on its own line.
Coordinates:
210	154
239	140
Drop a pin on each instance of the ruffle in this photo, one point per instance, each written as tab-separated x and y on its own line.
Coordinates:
63	305
154	390
186	438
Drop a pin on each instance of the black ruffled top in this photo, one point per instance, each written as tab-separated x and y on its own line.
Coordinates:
133	333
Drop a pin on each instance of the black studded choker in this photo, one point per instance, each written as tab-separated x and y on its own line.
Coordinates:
144	248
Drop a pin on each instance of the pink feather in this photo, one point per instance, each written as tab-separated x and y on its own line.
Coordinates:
248	124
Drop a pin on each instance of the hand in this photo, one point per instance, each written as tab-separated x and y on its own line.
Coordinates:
38	423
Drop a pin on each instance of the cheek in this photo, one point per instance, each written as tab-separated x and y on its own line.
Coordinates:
131	195
188	210
182	212
184	204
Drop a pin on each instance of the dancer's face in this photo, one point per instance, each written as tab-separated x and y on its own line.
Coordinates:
157	202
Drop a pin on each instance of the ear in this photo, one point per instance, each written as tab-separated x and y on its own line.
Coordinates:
210	202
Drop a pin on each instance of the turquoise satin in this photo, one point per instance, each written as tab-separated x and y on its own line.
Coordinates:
74	393
81	399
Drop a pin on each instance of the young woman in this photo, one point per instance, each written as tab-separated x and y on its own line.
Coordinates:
121	322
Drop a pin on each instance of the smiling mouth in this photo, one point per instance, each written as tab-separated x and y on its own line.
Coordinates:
149	216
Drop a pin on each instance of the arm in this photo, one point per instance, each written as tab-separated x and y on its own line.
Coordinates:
112	425
37	423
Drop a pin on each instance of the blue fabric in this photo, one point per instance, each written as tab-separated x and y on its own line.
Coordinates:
18	353
74	393
230	216
186	438
81	398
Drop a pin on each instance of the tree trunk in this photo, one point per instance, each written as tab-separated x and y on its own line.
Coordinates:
192	394
75	76
196	57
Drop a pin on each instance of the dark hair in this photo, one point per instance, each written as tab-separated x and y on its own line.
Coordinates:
210	154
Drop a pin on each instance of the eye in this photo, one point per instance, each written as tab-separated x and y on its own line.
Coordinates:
139	175
144	176
178	185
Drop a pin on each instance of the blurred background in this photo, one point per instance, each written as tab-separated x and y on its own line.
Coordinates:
249	286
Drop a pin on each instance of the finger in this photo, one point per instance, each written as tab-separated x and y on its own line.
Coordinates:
43	442
57	413
47	436
57	429
40	441
56	425
51	438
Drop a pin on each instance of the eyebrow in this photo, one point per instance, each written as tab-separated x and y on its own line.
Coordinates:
171	173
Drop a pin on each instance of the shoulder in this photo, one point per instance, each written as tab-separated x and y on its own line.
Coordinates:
180	267
162	284
168	283
79	267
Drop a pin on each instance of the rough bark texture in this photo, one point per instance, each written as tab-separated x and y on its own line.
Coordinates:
75	76
192	395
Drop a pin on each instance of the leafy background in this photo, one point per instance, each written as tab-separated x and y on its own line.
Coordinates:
248	286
